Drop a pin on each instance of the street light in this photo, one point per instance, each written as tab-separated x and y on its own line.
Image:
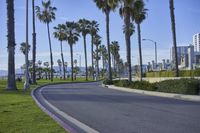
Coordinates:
155	48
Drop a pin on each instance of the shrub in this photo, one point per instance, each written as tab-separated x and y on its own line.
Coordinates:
143	85
122	83
107	82
182	86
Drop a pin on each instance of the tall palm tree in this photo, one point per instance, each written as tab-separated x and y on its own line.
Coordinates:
61	36
60	65
71	30
114	49
139	14
107	6
171	6
26	84
11	84
103	51
97	42
34	43
94	28
125	12
84	29
46	14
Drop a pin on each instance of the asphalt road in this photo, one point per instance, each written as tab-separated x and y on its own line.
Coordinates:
111	111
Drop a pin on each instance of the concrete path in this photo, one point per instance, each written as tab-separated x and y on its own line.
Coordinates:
88	107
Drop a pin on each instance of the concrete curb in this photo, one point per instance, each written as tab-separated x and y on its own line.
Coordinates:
52	115
159	94
67	127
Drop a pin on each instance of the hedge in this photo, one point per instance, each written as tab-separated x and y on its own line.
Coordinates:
180	86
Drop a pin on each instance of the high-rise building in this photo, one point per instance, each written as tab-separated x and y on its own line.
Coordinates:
196	42
181	50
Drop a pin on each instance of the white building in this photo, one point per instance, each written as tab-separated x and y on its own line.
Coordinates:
196	42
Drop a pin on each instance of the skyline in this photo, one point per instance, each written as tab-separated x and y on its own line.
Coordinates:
187	24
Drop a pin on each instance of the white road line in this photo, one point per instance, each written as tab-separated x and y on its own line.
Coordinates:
69	118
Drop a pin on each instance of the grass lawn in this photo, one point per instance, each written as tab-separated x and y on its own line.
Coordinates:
20	114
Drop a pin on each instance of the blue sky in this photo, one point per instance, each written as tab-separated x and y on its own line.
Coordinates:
156	27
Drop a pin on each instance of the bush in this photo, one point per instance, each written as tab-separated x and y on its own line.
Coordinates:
107	82
143	85
122	83
182	86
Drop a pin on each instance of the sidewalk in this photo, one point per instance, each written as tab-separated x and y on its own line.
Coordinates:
159	94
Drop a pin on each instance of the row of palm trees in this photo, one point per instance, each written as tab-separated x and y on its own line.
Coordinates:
130	10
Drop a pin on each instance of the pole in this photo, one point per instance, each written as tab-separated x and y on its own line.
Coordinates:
26	84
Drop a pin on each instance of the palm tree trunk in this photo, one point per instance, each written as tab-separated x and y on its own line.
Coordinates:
86	70
128	43
92	47
108	45
51	56
72	62
11	84
61	49
103	64
97	63
34	43
114	63
140	49
171	4
26	84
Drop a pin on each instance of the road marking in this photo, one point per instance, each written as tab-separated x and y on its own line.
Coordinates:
69	118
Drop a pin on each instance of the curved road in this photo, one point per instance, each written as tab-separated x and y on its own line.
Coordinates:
88	107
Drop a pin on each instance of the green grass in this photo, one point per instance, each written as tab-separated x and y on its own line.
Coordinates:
20	114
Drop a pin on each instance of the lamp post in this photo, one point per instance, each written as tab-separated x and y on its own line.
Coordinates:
155	48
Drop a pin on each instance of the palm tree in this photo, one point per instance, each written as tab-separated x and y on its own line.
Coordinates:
71	30
139	14
66	64
34	43
23	48
171	6
60	65
84	28
97	42
107	6
47	15
11	84
26	84
39	63
61	36
75	69
94	28
125	12
114	49
103	52
46	70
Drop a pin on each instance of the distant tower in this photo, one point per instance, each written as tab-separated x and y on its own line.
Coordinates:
196	42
